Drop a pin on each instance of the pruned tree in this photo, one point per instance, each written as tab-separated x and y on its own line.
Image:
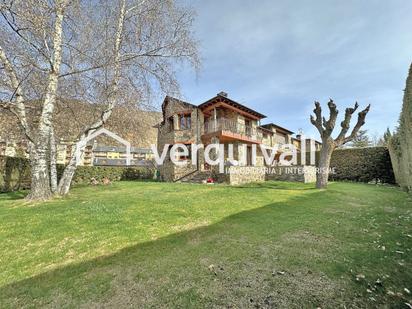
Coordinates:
104	53
329	144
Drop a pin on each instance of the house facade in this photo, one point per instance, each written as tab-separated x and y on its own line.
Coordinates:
219	120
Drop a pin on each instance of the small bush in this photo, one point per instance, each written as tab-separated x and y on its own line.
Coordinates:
14	174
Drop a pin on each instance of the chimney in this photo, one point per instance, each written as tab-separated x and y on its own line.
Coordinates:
223	94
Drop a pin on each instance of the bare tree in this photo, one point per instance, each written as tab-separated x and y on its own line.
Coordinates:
329	144
93	52
39	138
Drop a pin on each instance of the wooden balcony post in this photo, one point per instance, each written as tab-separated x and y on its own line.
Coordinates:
215	117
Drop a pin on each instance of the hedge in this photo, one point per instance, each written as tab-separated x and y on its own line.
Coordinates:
370	164
15	173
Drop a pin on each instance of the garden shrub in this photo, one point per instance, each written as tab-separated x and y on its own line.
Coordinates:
15	173
369	164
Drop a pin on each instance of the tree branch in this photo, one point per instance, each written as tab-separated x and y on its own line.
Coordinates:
359	124
18	31
112	96
18	107
330	124
317	122
345	124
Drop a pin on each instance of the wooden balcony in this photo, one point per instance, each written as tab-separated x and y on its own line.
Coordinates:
230	130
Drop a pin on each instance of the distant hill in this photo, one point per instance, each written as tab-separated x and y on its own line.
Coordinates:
72	117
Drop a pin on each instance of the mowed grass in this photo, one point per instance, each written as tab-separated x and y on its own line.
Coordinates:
162	245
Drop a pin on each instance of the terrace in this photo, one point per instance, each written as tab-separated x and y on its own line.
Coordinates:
229	129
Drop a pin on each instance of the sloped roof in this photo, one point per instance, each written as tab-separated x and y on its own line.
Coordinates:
277	127
166	101
219	98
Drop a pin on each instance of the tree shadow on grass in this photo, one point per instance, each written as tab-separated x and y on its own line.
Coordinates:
234	262
11	196
278	186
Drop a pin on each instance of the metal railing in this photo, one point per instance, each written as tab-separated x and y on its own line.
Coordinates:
224	124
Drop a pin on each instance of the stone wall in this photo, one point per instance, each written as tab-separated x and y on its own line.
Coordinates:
296	173
239	175
171	134
181	171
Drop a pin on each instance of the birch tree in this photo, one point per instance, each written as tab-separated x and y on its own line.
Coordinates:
94	52
329	144
52	33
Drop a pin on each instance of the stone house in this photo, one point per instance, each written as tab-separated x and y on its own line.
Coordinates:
218	120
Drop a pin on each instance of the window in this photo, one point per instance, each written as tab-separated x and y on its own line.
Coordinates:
280	138
171	125
185	122
113	155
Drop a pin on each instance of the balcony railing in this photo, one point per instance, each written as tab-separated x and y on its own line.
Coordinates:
224	124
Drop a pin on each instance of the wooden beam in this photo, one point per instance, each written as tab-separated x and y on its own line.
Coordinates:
228	106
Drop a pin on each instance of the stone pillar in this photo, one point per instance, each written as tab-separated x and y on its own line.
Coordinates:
242	152
176	125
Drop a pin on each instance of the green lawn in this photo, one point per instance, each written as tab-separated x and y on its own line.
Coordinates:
162	245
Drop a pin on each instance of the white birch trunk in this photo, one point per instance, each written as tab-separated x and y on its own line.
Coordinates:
53	159
40	182
66	179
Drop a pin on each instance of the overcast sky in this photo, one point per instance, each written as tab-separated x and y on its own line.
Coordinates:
279	56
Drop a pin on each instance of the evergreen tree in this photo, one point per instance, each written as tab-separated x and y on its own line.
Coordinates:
361	140
400	144
387	136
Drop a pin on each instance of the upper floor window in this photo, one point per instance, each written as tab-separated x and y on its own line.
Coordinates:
185	121
170	123
280	138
